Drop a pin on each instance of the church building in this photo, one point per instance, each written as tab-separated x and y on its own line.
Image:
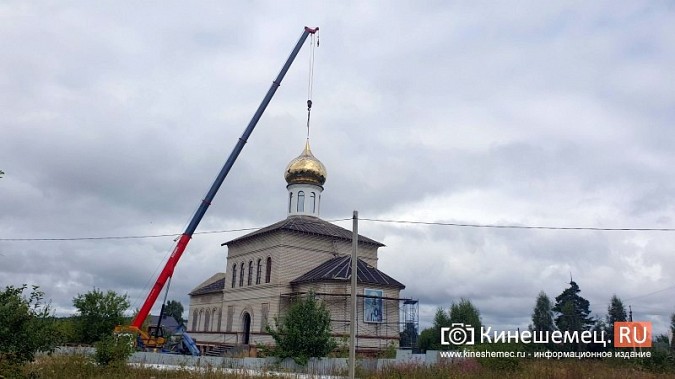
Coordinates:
265	269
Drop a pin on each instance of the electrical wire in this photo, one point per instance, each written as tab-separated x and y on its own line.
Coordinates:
650	293
411	222
497	226
120	237
139	236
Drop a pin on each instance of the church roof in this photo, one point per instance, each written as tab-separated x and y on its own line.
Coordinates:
340	269
216	286
307	225
168	321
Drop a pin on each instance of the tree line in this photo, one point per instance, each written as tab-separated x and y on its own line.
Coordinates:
28	324
570	313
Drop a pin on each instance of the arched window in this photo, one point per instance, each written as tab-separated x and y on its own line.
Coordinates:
313	197
220	318
268	270
241	274
290	201
234	275
250	273
301	201
199	320
247	328
258	271
207	319
194	320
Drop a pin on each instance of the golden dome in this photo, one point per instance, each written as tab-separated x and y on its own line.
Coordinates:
305	169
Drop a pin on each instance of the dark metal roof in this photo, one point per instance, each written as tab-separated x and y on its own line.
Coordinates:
216	286
168	322
340	269
309	225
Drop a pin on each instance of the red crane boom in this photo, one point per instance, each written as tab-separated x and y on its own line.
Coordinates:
184	239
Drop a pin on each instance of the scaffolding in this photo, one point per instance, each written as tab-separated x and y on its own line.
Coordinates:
398	326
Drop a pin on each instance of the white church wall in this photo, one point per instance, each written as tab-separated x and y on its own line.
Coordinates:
292	254
371	334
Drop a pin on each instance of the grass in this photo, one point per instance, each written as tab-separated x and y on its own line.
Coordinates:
78	366
553	369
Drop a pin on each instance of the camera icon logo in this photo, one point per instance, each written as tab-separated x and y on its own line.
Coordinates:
457	334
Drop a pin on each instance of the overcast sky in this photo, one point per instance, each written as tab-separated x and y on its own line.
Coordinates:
116	117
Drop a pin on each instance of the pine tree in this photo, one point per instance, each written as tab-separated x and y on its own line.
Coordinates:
466	313
616	312
672	331
572	312
542	315
441	320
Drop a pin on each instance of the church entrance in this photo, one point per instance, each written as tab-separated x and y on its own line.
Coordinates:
247	328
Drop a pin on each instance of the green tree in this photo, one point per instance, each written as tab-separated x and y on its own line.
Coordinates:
428	339
441	319
572	312
67	329
672	331
465	312
616	312
98	313
542	319
174	308
598	328
304	331
26	327
542	315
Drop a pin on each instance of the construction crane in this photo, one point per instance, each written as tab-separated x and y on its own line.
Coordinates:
153	339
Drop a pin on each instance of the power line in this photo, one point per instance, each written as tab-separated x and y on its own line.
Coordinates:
124	237
412	222
52	239
651	293
497	226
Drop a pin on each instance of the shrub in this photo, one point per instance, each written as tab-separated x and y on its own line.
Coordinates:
500	363
389	352
114	350
661	360
304	331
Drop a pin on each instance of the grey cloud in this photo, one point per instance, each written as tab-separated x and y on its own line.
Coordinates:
116	120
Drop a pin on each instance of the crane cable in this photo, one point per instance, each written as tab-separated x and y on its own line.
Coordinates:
310	84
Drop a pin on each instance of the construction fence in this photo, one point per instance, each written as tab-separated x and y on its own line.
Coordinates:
316	366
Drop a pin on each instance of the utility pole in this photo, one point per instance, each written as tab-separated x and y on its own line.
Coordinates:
352	324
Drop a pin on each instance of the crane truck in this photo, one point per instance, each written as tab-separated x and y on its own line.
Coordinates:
153	338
